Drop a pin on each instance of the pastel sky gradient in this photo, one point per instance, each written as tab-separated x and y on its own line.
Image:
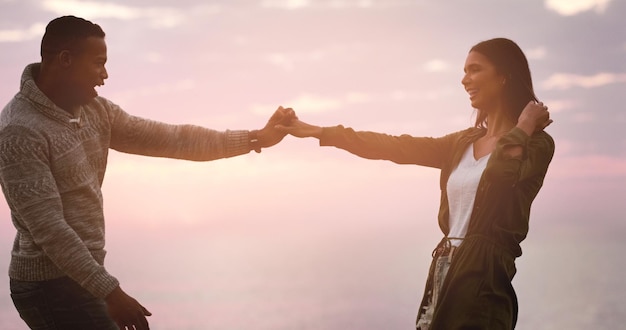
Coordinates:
390	66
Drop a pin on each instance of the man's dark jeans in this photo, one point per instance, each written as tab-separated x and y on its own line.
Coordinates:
59	304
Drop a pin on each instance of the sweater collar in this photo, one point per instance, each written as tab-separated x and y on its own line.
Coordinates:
31	91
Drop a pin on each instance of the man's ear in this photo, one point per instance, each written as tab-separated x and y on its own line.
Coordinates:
65	58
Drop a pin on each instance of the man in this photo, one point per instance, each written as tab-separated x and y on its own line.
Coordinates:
54	140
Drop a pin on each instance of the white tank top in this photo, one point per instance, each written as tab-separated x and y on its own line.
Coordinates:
462	186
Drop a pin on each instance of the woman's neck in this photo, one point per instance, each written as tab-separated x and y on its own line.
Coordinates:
498	124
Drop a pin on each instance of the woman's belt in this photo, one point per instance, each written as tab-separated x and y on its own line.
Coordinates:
445	248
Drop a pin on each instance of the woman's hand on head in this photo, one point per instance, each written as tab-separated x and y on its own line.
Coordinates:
534	118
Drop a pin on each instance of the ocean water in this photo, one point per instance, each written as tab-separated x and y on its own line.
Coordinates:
365	275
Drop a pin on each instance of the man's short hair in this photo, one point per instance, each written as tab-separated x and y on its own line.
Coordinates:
67	33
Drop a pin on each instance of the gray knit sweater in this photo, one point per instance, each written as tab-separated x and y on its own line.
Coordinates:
52	167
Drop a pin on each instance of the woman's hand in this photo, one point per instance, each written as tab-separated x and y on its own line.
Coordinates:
300	129
534	118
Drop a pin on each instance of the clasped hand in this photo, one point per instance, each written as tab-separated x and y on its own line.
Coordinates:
269	135
285	121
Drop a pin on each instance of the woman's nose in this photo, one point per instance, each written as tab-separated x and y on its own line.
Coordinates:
465	80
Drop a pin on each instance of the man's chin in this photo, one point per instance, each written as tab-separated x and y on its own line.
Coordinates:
92	94
88	98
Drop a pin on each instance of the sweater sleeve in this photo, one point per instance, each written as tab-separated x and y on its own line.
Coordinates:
135	135
402	149
37	210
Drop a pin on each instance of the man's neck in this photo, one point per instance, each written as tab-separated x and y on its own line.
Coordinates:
54	90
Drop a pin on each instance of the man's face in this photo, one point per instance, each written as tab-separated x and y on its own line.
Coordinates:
87	70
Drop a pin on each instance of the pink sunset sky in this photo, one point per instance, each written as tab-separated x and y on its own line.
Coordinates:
390	66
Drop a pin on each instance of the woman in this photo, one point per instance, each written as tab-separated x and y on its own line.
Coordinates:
490	174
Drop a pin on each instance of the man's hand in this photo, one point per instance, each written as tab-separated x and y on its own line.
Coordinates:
269	135
126	311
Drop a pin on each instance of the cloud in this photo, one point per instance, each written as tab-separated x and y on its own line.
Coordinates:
153	57
583	117
538	53
436	65
560	105
563	81
287	61
573	7
160	89
90	9
281	60
285	4
308	103
311	104
159	17
331	4
587	166
16	35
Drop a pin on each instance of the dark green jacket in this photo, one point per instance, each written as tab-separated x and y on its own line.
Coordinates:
477	292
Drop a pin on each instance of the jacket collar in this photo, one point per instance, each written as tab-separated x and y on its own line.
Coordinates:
470	136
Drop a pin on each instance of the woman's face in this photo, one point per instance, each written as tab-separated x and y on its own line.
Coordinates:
482	82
